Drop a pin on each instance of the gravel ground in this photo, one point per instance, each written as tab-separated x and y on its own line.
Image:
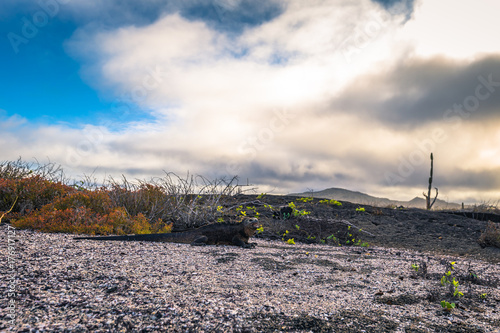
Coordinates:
78	286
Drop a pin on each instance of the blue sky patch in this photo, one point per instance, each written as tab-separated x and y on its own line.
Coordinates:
228	18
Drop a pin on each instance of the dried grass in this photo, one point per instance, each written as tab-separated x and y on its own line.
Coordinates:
491	235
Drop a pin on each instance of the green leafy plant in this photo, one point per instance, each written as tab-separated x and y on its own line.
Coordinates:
296	212
239	210
252	210
483	296
456	292
334	239
360	209
449	279
289	240
305	200
262	195
420	268
260	229
284	235
330	202
447	306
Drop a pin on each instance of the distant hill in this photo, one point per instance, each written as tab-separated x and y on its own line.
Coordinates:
365	199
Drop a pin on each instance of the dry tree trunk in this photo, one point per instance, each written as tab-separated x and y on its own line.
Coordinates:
428	195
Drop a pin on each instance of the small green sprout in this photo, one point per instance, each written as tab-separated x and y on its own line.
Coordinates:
330	202
360	209
297	212
415	267
260	230
444	280
290	241
297	227
483	296
447	306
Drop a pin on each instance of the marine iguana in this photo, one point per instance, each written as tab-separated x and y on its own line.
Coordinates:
236	234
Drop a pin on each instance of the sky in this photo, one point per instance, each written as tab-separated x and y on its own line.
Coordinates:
293	95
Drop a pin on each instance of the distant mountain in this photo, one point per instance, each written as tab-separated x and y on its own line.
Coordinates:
341	194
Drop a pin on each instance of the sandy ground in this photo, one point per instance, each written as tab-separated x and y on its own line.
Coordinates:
50	282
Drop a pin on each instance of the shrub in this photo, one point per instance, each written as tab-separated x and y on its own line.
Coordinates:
187	202
491	235
15	170
97	201
147	199
33	193
84	211
84	220
37	197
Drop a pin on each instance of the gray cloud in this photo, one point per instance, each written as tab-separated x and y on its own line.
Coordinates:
224	15
233	15
486	180
397	7
415	92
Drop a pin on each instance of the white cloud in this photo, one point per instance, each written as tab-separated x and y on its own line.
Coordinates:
457	29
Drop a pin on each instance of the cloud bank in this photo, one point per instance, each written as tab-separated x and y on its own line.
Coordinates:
297	95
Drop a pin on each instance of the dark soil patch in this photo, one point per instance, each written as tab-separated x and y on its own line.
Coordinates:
399	299
344	321
405	228
227	257
270	264
224	257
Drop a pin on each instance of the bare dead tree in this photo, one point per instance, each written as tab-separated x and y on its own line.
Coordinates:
427	196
